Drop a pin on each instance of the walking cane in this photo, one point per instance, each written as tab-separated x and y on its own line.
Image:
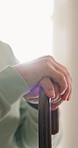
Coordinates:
48	121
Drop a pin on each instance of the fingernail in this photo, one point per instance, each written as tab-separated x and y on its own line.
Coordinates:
51	93
68	99
62	92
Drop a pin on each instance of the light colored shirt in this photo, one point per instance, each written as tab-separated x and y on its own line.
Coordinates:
18	120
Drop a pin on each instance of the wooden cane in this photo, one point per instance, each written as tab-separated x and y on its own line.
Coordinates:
48	121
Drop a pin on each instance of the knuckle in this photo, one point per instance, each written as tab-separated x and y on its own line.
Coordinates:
66	71
48	62
62	79
48	58
67	74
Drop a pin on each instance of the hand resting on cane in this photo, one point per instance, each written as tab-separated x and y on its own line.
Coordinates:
49	74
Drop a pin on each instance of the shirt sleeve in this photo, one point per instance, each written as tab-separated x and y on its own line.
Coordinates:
12	86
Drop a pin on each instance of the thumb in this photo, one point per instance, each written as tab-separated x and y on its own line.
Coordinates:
48	87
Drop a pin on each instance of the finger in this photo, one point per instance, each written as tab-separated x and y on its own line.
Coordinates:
58	77
57	92
56	105
48	87
60	66
68	92
67	95
67	75
65	70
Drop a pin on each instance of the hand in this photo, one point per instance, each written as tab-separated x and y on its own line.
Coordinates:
33	96
46	67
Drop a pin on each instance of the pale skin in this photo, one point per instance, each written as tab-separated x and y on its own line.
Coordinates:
47	73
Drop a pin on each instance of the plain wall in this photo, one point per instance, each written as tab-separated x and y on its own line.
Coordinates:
66	52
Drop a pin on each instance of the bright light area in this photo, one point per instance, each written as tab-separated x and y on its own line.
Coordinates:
26	25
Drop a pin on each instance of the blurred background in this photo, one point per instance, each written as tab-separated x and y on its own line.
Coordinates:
40	27
27	26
